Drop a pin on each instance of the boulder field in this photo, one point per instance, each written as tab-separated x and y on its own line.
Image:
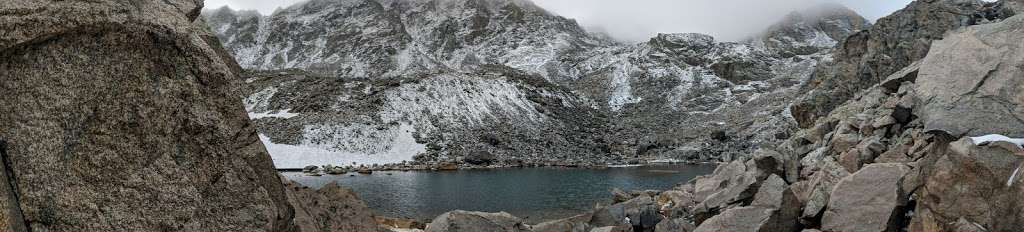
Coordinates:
919	150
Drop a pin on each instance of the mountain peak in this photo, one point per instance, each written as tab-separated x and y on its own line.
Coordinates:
685	38
812	30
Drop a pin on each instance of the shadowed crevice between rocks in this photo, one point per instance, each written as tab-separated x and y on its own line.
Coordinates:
12	213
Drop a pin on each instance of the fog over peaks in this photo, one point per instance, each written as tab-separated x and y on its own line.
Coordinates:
639	20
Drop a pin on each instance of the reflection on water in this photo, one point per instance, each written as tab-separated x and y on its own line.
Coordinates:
532	193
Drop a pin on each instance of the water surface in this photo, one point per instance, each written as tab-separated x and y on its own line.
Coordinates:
532	193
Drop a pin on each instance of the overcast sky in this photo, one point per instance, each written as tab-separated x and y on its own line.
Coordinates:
638	20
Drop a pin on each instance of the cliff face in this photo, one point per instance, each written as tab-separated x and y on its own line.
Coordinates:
119	116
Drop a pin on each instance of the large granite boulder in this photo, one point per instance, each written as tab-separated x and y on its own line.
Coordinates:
640	212
774	193
466	221
597	218
740	219
774	208
705	186
574	224
973	185
972	81
813	192
675	225
603	217
674	203
330	208
120	116
730	183
871	199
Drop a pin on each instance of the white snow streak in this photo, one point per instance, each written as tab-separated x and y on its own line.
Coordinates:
994	138
1014	176
273	114
1001	138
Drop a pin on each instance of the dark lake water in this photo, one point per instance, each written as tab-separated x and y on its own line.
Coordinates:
532	193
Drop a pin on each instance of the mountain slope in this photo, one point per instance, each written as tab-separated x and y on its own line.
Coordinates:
311	119
480	67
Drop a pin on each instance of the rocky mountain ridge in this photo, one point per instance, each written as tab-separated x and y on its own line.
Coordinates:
578	98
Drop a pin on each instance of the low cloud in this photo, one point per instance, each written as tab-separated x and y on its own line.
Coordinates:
638	20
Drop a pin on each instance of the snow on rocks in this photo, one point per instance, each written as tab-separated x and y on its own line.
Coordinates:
454	100
423	55
339	146
273	114
985	139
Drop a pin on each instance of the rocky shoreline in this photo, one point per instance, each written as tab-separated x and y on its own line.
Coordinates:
314	170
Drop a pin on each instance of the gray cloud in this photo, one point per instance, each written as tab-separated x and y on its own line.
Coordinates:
638	20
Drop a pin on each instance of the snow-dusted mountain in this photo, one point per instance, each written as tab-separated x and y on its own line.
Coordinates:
395	38
811	31
373	81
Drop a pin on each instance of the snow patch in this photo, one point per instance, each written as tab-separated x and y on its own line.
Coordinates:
622	91
1001	138
321	146
994	138
273	114
259	100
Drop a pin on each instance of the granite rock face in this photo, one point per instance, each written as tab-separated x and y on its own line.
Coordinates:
126	119
868	57
970	82
868	200
977	186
